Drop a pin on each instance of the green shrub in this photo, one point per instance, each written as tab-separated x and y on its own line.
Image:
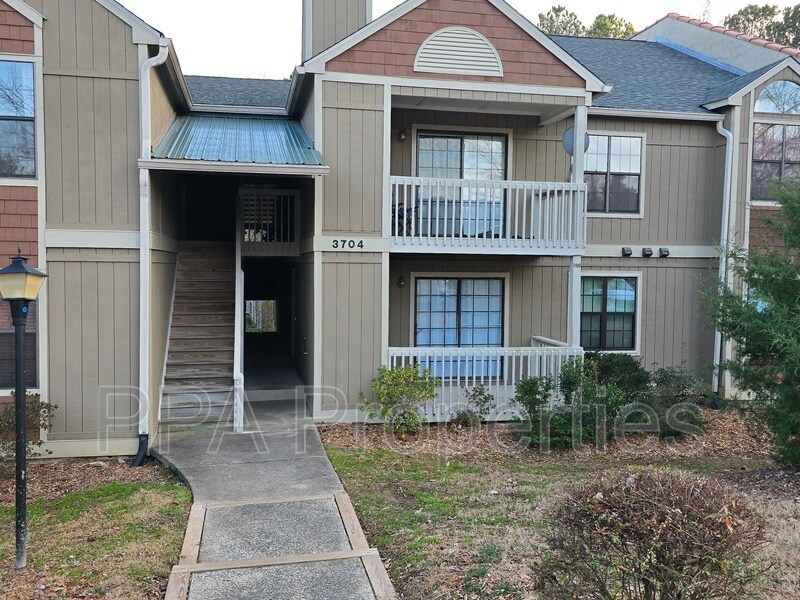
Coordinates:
651	535
38	415
675	396
533	395
623	370
397	396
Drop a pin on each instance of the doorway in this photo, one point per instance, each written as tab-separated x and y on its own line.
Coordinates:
270	322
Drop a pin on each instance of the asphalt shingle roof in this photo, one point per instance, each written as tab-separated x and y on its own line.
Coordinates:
646	75
232	91
726	90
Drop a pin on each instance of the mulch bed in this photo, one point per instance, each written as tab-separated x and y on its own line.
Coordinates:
727	435
54	478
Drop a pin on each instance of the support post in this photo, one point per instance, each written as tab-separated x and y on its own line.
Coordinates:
578	155
574	310
19	315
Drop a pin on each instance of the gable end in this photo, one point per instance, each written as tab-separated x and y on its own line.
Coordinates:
16	32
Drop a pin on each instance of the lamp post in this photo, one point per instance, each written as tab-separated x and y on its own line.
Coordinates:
19	284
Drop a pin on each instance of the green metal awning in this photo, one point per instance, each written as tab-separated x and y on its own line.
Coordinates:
249	141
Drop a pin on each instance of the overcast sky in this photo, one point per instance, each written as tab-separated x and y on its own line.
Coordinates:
261	38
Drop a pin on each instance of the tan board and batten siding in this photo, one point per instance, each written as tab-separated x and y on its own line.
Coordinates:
91	143
674	326
353	147
353	203
351	326
334	20
683	165
94	342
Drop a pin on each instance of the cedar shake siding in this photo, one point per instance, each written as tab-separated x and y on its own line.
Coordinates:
16	32
392	50
18	221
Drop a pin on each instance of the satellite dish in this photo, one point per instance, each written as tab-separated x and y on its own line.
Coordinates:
568	141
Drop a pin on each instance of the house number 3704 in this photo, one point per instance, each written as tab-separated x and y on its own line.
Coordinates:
348	244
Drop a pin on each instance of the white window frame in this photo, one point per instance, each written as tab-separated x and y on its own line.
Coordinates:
642	179
509	133
506	277
637	275
762	119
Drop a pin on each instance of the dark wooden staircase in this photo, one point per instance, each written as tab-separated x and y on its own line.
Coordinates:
198	382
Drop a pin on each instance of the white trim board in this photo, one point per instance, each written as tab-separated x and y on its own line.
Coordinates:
166	164
455	84
735	99
597	111
593	83
91	238
675	251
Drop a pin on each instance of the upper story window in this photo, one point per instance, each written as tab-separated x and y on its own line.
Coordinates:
779	97
776	155
17	111
613	173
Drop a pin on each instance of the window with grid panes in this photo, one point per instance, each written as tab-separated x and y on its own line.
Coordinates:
613	173
608	313
776	155
462	211
17	112
459	312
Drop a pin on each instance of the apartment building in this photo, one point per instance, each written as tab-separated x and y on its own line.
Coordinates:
444	185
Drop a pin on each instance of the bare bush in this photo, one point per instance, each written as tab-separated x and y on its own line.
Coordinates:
651	535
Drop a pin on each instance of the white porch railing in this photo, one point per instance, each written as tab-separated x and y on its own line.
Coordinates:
539	341
454	215
498	369
270	222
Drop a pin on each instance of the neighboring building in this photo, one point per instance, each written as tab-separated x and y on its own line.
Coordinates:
405	197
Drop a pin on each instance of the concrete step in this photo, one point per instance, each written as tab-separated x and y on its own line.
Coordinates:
196	399
198	390
200	305
191	416
201	356
197	273
194	344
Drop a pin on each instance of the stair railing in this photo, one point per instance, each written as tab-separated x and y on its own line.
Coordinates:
238	332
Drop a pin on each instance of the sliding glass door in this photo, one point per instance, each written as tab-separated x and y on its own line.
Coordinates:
461	205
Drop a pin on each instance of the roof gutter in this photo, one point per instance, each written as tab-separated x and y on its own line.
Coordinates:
723	241
144	246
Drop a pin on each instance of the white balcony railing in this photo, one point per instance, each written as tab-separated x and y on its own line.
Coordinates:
497	369
454	215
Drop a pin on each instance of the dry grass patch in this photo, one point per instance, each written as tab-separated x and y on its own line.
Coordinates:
459	514
95	531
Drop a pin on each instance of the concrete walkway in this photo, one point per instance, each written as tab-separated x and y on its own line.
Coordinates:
270	518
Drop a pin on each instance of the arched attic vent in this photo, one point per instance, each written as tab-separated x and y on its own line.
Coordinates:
460	51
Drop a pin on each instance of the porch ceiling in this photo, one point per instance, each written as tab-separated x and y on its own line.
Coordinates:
237	139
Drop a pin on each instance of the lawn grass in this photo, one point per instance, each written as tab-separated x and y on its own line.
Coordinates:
470	526
117	539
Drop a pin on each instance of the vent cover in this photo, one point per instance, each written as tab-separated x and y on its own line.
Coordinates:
460	51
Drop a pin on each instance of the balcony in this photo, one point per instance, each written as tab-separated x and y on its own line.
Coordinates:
455	216
497	369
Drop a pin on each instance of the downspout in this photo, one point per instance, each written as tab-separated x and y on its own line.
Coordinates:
144	248
723	241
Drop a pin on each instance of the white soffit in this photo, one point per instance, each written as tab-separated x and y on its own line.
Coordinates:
460	51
